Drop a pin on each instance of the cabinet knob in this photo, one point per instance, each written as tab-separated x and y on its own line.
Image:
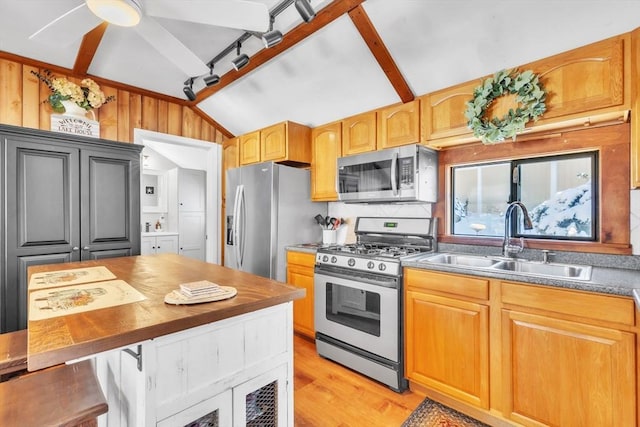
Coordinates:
86	248
75	249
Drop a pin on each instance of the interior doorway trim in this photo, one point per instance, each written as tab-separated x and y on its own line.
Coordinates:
211	164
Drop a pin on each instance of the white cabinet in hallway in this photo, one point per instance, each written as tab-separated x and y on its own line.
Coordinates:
159	243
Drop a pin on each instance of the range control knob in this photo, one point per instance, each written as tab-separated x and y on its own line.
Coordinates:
334	259
351	262
325	258
382	266
370	265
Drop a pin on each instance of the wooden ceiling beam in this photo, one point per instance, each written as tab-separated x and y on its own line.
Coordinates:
88	48
377	47
324	17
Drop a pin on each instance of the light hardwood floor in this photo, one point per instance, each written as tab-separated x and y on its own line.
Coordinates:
327	394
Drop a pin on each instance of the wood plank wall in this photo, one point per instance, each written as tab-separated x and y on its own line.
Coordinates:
23	103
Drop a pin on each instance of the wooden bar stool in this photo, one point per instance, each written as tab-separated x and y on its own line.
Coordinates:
63	395
13	352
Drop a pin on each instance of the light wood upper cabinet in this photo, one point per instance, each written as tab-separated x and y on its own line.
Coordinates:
326	146
273	142
585	79
585	367
282	142
399	125
300	274
584	86
249	148
446	331
359	134
443	114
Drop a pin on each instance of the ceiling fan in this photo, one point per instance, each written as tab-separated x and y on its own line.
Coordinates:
72	25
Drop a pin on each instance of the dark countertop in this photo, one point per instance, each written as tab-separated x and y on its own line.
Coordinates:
305	247
613	281
73	336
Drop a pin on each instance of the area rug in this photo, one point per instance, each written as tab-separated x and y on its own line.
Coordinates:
433	414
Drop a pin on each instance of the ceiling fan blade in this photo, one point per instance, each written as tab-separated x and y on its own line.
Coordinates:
68	27
172	48
245	15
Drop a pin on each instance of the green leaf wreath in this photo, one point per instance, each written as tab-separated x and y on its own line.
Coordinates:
529	94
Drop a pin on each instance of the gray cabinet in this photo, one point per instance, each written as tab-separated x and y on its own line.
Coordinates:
67	199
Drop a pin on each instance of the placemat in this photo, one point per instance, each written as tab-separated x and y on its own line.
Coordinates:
61	301
76	276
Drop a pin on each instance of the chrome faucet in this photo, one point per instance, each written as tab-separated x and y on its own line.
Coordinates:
507	247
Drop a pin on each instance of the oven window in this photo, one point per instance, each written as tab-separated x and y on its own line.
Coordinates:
355	308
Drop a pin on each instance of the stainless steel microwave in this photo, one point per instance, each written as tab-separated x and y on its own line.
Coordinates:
403	174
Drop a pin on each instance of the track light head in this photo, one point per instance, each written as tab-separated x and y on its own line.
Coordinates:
271	38
188	90
241	61
305	10
211	79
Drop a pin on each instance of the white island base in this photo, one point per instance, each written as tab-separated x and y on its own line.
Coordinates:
237	372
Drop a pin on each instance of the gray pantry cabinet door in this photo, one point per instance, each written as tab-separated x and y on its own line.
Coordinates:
110	204
42	223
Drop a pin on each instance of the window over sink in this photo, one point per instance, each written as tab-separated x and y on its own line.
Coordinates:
560	193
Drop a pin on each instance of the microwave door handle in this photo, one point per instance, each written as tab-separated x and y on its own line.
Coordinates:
394	174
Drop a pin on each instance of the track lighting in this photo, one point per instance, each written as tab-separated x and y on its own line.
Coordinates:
188	90
211	79
242	60
271	37
305	10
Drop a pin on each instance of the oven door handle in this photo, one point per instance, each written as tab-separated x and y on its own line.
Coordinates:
385	282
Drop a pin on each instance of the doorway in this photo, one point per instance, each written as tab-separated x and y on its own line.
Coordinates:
188	153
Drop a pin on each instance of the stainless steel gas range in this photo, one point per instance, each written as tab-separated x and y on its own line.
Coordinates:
358	295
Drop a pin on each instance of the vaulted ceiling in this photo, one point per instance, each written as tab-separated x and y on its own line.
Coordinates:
355	56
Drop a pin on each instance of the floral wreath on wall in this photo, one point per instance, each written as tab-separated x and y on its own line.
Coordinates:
529	93
87	94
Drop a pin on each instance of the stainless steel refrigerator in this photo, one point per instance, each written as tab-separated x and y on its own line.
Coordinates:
268	207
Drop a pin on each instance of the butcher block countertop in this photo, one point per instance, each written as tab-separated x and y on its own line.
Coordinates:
73	336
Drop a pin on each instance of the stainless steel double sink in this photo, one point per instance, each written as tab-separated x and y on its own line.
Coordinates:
513	266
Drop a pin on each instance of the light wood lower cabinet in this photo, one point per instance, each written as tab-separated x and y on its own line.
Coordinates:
300	273
447	336
520	353
567	359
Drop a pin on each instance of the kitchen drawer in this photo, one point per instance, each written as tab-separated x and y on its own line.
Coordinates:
471	287
570	302
301	258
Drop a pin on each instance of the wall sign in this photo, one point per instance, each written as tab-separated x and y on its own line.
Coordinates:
75	125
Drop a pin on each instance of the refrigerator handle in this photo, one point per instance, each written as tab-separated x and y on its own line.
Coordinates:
236	225
394	174
241	225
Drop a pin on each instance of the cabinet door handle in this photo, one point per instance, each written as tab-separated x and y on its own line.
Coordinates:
75	249
86	248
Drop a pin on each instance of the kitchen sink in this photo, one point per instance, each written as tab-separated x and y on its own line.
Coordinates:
565	271
514	266
462	260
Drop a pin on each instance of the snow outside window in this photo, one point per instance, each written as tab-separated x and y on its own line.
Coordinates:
559	193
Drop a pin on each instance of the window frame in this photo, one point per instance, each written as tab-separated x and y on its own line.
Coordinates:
515	194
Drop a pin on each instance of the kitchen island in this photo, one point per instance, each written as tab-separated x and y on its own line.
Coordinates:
161	364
